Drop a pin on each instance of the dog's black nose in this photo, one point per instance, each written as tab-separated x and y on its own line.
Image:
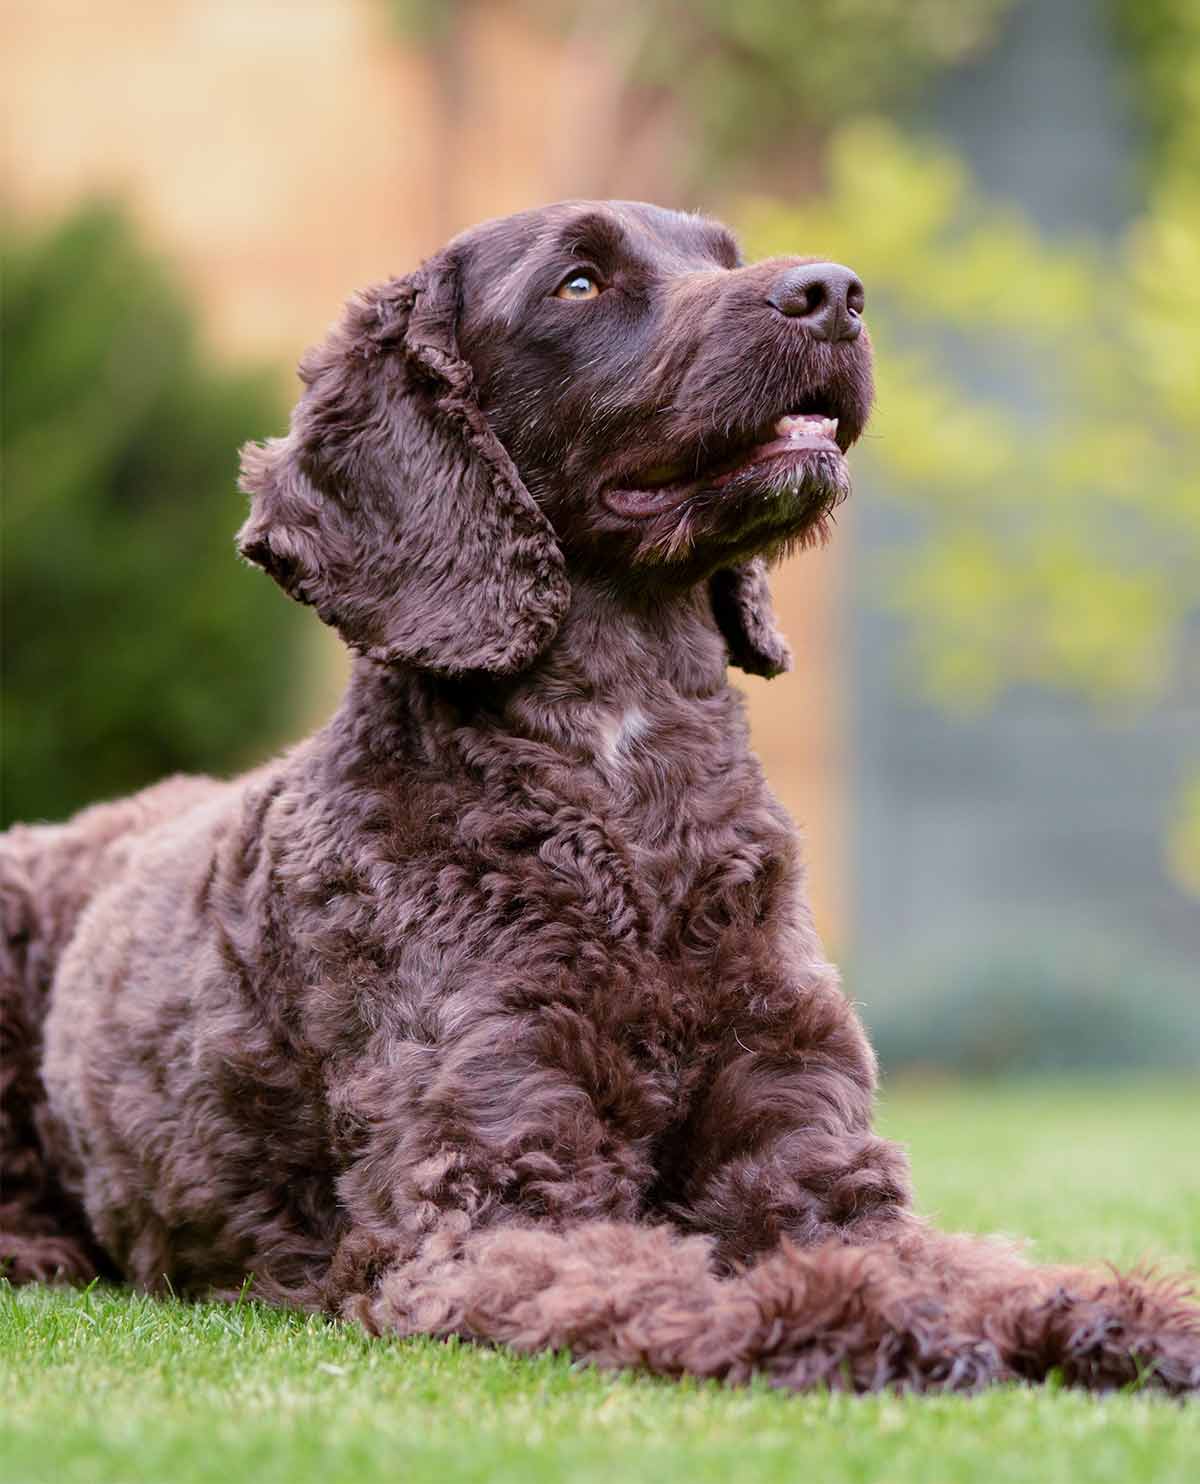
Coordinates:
825	297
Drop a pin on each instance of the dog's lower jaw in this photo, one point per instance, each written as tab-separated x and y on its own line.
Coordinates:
774	510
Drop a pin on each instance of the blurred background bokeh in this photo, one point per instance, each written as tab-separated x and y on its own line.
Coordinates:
993	735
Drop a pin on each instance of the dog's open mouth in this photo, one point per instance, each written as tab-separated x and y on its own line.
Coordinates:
791	438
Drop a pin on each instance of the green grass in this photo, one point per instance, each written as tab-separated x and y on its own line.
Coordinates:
109	1388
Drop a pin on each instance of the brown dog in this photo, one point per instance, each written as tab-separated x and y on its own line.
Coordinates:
495	1009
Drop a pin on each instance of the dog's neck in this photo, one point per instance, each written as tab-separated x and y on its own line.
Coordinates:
618	664
628	647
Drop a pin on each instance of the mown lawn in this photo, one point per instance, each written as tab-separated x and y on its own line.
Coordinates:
104	1387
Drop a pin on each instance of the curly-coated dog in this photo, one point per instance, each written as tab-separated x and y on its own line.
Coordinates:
495	1009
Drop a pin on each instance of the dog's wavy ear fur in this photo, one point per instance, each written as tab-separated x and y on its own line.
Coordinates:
741	601
392	508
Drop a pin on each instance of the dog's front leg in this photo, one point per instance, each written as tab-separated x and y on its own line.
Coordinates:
535	1115
781	1151
780	1142
872	1299
520	1262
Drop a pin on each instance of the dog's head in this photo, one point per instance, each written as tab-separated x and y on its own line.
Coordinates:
599	386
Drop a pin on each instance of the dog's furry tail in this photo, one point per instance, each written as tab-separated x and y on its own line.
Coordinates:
927	1313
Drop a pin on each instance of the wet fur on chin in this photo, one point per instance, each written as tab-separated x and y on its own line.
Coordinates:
775	515
495	1008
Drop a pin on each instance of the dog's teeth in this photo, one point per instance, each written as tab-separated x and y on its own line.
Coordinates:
806	425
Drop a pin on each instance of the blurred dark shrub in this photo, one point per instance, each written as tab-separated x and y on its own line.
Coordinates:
134	641
1015	1015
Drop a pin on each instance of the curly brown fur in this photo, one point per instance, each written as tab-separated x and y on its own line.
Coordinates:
495	1008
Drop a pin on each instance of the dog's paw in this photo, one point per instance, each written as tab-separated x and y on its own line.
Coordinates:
43	1260
1133	1332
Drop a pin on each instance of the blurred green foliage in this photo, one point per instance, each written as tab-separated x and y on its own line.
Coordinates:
749	79
762	72
134	643
1161	39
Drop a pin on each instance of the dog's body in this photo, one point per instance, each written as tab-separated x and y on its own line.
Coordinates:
495	1007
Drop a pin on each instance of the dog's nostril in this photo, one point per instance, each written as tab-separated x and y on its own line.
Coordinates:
806	300
826	298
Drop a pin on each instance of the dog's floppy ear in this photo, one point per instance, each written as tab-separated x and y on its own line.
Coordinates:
741	601
392	507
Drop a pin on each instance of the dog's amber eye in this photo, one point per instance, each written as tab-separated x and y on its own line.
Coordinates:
578	286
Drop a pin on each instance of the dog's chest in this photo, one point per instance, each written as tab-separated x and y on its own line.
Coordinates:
658	849
663	838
